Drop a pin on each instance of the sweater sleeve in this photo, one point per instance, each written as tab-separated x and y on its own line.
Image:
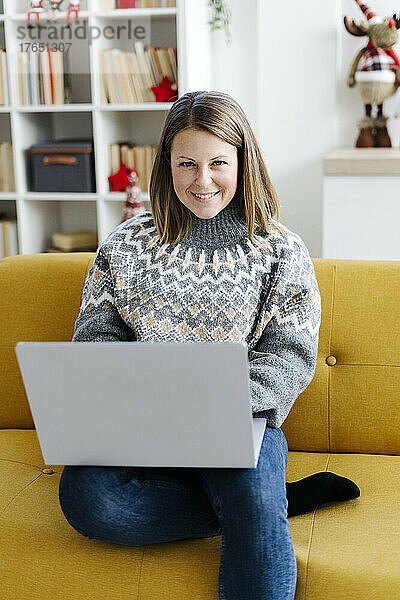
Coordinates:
283	361
99	319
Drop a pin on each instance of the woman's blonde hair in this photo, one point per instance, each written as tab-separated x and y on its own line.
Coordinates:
217	113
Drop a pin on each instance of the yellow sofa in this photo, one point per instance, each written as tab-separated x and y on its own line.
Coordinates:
347	421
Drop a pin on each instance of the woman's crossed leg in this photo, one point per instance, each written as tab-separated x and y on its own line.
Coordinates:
136	506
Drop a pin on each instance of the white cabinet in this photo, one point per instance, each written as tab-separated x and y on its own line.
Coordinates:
361	204
39	214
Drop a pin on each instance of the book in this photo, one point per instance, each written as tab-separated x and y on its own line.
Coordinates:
84	240
48	53
45	77
150	68
67	77
156	64
104	97
6	168
35	83
125	4
9	236
136	76
115	158
112	91
144	70
124	79
20	77
56	61
28	81
163	56
172	54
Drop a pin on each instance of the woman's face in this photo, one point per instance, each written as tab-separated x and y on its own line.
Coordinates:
202	163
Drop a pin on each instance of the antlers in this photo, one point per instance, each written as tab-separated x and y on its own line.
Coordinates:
354	29
362	29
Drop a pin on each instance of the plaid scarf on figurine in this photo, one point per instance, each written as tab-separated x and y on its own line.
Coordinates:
378	59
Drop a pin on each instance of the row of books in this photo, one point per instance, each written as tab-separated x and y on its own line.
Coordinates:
44	77
126	77
4	93
7	183
140	158
8	237
144	3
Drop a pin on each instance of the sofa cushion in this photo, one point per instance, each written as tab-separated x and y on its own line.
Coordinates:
340	547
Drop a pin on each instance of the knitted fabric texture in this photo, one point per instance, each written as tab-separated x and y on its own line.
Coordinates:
213	286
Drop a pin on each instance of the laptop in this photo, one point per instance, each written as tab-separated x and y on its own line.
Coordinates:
151	404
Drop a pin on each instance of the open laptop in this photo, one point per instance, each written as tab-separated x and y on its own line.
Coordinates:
155	404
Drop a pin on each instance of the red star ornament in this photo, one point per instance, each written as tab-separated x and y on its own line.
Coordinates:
165	92
119	180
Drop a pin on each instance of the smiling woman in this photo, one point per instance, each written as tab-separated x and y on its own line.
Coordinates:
204	171
210	264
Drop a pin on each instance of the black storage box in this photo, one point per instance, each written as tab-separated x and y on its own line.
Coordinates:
62	166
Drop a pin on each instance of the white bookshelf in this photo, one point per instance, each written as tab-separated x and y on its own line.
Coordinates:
39	214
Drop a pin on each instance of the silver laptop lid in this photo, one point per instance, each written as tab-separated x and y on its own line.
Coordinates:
141	404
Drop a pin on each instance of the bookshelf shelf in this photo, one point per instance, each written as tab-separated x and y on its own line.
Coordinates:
58	196
135	13
118	196
54	108
21	17
39	214
139	107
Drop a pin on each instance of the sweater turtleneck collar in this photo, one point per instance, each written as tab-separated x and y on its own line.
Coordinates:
226	227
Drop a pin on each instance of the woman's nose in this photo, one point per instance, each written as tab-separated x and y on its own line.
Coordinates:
203	175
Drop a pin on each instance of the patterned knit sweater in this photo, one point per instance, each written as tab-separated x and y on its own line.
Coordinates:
213	286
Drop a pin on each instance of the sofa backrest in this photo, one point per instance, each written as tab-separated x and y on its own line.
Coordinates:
352	403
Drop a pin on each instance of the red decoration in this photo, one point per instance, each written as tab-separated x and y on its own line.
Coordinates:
165	92
36	9
119	180
126	4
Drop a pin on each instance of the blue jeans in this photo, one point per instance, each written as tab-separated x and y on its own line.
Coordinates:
135	506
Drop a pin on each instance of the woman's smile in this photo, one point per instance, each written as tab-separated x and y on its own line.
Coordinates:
206	196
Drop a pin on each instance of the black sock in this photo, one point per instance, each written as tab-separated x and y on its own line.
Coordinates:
307	493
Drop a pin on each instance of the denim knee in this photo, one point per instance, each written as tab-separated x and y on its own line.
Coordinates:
83	497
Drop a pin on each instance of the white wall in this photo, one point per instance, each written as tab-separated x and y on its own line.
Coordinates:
287	66
235	66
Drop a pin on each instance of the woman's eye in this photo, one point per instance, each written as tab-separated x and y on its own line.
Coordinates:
190	164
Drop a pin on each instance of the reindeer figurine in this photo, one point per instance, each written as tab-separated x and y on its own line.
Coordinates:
377	76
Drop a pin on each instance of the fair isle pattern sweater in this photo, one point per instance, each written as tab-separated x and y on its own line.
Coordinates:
213	286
